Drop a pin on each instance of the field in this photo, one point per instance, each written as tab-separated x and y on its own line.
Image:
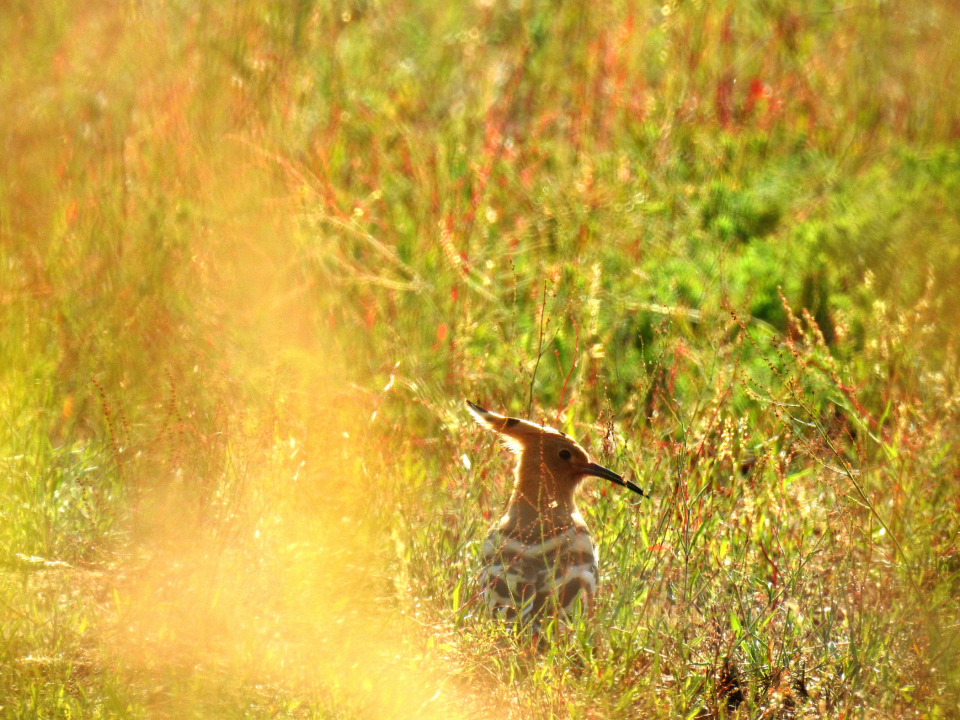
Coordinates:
254	256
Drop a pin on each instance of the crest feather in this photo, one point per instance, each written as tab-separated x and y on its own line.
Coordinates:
486	418
500	424
516	433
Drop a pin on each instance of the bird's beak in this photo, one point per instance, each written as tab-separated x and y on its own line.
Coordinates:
601	472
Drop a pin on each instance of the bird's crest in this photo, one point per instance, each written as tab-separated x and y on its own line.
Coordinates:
516	433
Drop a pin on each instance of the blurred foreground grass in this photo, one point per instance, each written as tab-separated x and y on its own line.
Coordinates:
254	255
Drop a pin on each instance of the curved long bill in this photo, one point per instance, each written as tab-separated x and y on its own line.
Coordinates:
601	472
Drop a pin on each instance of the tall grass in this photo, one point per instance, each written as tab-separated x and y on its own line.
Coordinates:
253	257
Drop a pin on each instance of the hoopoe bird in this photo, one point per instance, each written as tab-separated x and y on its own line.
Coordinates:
539	559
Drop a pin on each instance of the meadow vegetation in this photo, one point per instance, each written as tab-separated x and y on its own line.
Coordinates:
254	256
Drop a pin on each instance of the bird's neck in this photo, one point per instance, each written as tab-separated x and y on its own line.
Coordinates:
541	501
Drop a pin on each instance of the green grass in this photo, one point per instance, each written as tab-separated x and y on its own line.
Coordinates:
254	256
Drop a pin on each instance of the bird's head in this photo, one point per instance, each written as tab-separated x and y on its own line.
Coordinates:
547	457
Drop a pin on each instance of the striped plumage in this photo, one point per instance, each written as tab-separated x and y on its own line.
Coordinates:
526	581
539	559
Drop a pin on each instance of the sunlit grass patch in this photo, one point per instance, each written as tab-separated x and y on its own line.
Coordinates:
757	567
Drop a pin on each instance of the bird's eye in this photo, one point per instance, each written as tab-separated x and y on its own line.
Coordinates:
565	454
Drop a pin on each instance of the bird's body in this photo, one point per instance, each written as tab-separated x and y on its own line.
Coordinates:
523	581
539	559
